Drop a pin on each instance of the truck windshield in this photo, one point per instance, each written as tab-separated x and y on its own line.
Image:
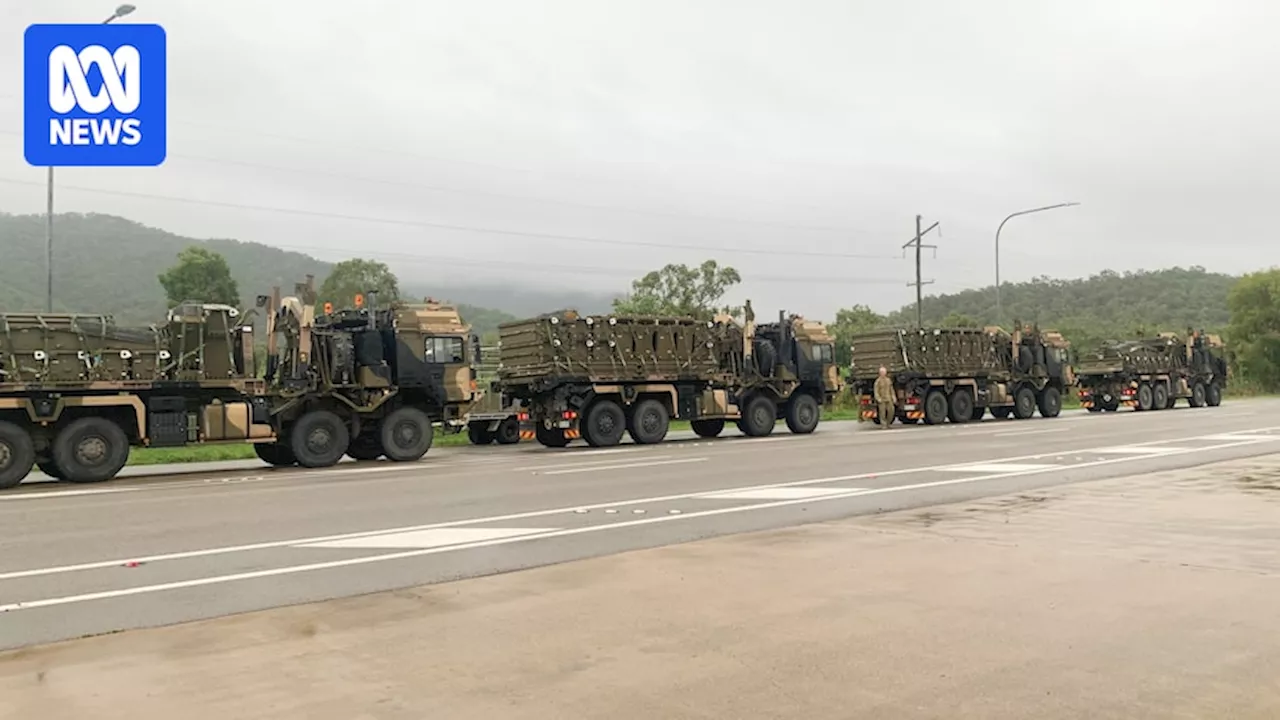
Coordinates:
444	350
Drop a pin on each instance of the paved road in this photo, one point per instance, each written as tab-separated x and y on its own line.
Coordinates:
156	550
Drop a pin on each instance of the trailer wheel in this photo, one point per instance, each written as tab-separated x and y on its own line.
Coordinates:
935	408
605	424
275	454
551	437
1213	395
1197	395
17	454
319	439
1050	402
406	435
649	422
761	415
707	428
1145	397
1159	397
1000	412
365	447
960	406
802	414
508	432
91	449
1024	403
478	434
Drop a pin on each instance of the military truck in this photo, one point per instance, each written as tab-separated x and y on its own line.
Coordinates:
492	416
598	377
958	374
76	391
1153	373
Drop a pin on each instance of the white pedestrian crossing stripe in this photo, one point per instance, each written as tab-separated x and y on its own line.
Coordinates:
434	537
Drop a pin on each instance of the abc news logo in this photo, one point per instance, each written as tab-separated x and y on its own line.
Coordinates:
69	89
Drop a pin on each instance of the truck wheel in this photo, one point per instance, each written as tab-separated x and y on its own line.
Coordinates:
707	428
508	432
275	454
1159	397
365	447
406	435
1050	402
48	467
91	449
1145	397
1213	395
605	424
1000	412
17	454
551	437
802	414
761	415
649	422
319	439
1197	395
960	407
478	434
935	408
1024	403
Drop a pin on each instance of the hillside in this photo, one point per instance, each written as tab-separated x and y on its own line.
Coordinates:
110	264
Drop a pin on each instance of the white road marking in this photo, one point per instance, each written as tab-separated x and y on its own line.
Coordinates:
624	466
608	507
558	466
439	537
352	562
63	493
781	493
999	467
1138	449
1020	433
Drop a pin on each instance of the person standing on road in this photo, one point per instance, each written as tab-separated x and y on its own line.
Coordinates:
884	398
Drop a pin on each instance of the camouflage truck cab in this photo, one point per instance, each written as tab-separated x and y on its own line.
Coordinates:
1153	373
957	374
600	377
366	382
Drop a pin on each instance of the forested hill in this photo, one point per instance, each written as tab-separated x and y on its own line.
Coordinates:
104	263
1107	304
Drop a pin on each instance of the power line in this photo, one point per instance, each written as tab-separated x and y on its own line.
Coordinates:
448	226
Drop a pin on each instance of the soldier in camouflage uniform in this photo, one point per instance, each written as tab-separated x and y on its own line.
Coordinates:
884	397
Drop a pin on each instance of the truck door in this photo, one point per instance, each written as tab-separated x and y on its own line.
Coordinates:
446	358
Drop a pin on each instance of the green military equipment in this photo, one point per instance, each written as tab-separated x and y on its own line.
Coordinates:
1153	373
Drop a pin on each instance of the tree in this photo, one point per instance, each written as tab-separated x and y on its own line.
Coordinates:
681	290
1253	336
201	274
959	320
850	322
356	277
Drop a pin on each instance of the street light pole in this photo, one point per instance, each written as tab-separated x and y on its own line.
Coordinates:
120	12
999	313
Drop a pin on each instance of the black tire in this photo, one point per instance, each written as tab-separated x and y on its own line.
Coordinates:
935	408
605	424
508	432
48	467
1198	395
707	428
275	454
550	437
649	422
478	434
803	414
406	435
91	449
365	447
1094	409
766	357
760	416
319	439
1145	397
978	412
1159	397
1213	395
1050	402
1024	403
1001	412
17	454
960	405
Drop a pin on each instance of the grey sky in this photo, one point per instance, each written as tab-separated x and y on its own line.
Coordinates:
815	126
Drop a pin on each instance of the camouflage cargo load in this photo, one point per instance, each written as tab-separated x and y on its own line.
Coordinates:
50	349
606	348
937	351
1153	373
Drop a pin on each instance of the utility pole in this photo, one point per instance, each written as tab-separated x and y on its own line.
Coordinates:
920	283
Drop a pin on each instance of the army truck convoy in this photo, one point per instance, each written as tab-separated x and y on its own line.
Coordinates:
367	382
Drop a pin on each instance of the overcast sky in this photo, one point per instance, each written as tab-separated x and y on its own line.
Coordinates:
787	134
